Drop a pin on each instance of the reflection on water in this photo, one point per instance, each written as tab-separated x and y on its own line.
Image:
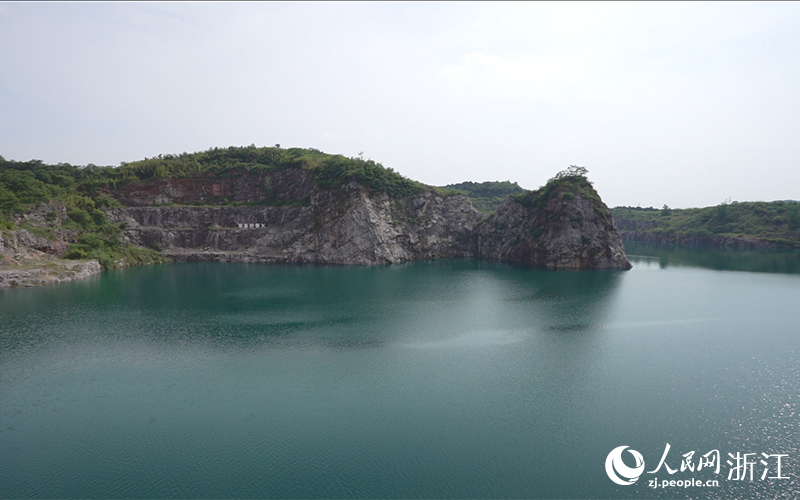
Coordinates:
457	379
305	306
721	259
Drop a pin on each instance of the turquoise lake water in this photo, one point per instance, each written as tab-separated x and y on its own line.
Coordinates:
457	379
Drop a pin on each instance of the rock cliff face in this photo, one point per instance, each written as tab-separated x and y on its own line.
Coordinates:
21	241
28	260
231	187
46	215
308	213
47	219
347	225
289	218
563	229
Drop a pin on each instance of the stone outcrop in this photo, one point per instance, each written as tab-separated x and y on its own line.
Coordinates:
231	187
28	260
346	225
46	215
285	216
567	230
32	257
46	270
55	242
293	220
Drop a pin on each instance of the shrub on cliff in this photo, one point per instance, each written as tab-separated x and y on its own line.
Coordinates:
103	245
567	184
486	196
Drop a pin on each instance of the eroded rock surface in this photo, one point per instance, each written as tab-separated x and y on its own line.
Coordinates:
568	232
299	222
29	260
347	225
286	216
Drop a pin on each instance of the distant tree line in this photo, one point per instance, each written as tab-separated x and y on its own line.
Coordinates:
777	221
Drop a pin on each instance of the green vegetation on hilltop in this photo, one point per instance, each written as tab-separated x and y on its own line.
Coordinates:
330	171
567	184
23	184
486	196
83	190
777	222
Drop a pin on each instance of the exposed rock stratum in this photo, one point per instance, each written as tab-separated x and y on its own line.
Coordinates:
286	217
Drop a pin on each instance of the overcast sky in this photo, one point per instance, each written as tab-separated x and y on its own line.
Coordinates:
684	104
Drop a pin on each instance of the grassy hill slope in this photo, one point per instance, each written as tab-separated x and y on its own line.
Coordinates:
776	222
486	196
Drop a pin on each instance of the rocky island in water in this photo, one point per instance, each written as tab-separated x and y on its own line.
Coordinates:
276	205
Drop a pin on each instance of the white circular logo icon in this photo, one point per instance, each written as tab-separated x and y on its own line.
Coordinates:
619	472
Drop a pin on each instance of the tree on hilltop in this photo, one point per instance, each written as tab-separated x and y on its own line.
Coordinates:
572	171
